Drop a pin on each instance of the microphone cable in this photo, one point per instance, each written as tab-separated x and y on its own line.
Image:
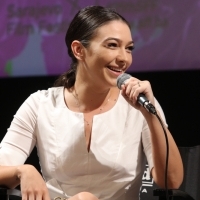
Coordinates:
167	153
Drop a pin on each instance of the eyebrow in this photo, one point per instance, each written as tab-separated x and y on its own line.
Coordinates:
117	39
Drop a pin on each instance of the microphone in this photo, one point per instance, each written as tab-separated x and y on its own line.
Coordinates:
141	99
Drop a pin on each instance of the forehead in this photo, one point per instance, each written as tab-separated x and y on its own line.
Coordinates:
115	29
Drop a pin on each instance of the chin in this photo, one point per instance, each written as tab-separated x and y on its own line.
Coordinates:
113	83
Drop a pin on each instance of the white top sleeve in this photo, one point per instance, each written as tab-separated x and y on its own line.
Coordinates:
20	140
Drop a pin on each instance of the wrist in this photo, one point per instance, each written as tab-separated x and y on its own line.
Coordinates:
147	114
21	169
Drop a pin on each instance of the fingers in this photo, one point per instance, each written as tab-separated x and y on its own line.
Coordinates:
133	87
35	196
24	196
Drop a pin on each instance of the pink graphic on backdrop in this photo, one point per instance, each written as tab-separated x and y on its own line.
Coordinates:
10	44
32	34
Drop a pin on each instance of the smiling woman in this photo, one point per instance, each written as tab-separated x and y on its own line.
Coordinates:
106	57
92	138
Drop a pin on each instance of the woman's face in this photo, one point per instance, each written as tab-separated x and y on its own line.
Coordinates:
109	53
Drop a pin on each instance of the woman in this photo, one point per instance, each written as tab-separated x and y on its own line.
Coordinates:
92	138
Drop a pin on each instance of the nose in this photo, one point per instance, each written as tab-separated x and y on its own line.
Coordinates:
122	57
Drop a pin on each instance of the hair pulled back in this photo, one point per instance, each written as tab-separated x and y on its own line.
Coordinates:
83	28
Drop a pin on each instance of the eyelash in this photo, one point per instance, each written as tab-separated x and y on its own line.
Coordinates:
130	48
112	45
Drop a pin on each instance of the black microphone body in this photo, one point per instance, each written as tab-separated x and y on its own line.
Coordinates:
142	100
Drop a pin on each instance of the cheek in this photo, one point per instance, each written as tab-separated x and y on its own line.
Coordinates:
130	60
108	56
104	57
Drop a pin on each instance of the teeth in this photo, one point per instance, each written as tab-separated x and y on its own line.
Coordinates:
114	69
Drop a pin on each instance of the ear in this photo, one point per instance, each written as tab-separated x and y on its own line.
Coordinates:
77	49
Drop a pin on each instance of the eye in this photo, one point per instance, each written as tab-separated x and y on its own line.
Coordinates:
112	45
130	48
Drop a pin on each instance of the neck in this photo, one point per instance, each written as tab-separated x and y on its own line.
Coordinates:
90	99
92	94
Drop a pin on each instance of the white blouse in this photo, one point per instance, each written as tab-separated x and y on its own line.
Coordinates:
111	170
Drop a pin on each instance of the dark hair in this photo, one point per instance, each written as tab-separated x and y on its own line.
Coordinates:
83	28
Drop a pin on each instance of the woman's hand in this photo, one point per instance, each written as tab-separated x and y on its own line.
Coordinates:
32	184
133	87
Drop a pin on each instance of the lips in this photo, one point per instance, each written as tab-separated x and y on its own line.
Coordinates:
115	69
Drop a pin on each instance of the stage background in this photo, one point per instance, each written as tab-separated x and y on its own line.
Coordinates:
165	33
167	49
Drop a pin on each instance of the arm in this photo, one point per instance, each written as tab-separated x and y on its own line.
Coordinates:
175	166
130	90
16	147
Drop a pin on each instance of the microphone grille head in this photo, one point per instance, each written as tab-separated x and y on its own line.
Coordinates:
121	79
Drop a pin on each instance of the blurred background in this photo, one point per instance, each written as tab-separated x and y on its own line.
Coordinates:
167	53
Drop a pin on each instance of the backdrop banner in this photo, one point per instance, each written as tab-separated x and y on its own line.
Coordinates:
165	34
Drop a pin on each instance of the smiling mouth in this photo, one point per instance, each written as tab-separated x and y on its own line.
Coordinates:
115	69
